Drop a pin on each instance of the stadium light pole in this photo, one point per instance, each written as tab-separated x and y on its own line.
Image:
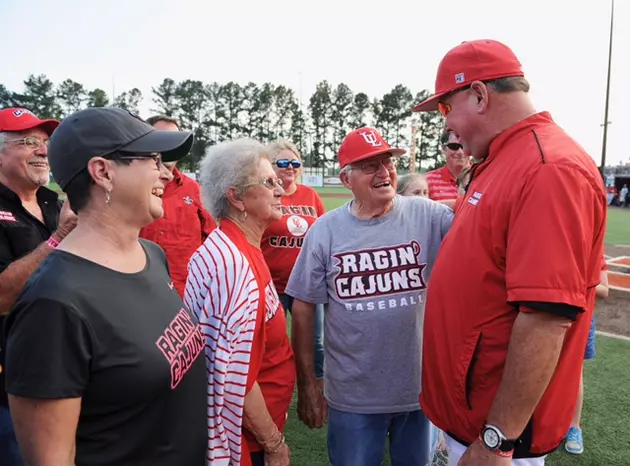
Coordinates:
606	122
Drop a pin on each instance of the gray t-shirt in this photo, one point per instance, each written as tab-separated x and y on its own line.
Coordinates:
373	275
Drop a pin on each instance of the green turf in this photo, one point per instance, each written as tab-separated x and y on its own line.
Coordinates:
618	230
604	420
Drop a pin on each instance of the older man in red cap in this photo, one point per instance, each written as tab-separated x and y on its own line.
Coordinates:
32	223
370	261
502	355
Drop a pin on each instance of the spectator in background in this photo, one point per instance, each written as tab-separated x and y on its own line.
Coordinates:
574	442
282	241
32	222
413	184
186	223
443	181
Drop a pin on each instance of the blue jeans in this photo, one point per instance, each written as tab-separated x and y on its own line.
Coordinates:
9	451
359	439
287	303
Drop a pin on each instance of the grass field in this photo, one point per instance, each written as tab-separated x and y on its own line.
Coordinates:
605	418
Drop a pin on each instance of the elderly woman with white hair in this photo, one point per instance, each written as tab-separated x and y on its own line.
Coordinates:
248	355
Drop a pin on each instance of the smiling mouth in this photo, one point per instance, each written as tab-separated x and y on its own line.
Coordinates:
38	164
386	184
157	192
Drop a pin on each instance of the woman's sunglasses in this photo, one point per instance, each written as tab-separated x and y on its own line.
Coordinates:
454	146
284	163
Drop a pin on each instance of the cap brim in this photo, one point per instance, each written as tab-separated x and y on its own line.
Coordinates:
49	126
173	145
429	105
394	151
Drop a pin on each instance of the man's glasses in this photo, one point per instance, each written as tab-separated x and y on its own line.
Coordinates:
454	146
32	142
370	167
284	163
270	183
156	157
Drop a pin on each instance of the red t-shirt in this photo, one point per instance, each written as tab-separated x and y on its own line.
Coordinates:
282	241
274	369
442	184
529	230
183	228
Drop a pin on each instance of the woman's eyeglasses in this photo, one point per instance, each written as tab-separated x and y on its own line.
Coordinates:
454	146
270	183
156	157
284	163
32	142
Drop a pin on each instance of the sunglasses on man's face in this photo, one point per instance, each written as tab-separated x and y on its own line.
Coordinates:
284	163
454	146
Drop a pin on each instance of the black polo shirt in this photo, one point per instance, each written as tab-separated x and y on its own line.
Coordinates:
20	234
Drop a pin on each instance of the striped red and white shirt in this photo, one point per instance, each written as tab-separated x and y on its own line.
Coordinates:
442	184
245	339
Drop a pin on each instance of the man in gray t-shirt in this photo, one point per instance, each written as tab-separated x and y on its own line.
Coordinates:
370	261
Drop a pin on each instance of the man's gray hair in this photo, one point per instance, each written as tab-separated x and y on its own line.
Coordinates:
228	164
4	137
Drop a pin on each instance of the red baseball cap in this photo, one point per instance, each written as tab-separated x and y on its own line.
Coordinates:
21	119
477	60
362	144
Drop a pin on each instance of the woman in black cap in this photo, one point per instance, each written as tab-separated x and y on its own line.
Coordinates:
103	361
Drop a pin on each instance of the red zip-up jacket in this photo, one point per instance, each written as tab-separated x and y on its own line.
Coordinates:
184	227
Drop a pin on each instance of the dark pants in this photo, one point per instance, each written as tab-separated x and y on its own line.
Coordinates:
9	451
287	303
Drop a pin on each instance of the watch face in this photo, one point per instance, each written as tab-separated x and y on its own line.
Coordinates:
491	438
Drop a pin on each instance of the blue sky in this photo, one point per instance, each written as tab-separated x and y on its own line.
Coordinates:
563	46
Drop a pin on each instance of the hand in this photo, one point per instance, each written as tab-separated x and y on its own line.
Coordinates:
282	457
478	455
312	409
67	221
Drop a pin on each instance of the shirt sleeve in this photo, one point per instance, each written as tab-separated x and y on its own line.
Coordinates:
207	222
49	350
445	216
554	242
307	281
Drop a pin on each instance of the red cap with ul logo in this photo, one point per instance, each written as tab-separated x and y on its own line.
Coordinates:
362	144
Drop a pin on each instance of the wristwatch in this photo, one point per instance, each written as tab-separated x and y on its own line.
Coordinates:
494	440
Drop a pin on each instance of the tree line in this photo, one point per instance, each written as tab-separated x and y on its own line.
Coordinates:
217	112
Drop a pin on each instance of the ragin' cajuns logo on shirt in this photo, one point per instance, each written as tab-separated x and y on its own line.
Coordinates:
297	226
272	301
378	273
181	343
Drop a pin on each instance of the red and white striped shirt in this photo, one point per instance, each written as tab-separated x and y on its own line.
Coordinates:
225	279
442	184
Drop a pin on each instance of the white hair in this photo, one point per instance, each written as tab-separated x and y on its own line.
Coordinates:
3	139
228	164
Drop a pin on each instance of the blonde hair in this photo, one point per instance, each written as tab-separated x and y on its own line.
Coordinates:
283	144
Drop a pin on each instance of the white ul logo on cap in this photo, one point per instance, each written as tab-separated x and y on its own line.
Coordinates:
371	138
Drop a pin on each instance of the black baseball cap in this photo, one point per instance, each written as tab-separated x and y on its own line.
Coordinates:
98	132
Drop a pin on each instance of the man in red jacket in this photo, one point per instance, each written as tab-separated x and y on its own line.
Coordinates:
186	223
503	353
